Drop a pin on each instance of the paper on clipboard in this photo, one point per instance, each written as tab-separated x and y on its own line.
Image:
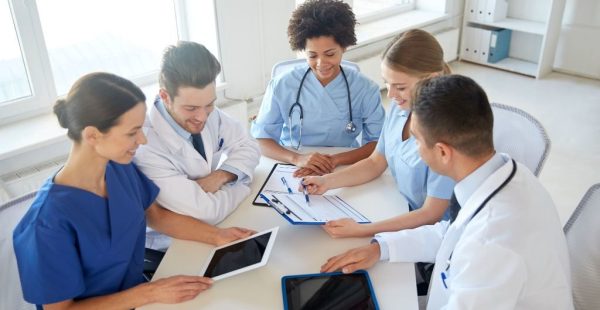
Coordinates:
322	208
274	185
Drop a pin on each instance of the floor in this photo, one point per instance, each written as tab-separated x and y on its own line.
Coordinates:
569	109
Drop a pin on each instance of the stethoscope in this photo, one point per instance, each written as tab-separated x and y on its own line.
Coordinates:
481	206
350	127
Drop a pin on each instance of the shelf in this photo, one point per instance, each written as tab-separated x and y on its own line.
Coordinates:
522	25
513	65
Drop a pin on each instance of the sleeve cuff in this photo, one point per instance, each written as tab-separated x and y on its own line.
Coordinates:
240	175
383	247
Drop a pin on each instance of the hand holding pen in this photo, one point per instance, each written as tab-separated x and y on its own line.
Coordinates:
314	185
305	193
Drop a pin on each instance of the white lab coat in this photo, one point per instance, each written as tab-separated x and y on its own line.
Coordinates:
512	255
173	164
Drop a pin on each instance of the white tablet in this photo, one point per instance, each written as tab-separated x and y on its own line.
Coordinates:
240	256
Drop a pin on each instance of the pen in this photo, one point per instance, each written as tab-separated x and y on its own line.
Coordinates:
286	184
305	193
274	206
220	144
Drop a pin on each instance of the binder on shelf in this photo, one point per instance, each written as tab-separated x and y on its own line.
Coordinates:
486	11
485	44
481	10
495	10
499	45
472	7
485	36
471	44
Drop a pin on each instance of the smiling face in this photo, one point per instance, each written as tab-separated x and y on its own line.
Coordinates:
324	57
399	86
191	106
121	140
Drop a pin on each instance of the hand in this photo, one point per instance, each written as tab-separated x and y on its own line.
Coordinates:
177	289
215	180
319	163
355	259
226	235
346	227
302	172
316	185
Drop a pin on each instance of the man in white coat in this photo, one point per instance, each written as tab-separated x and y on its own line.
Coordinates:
201	158
505	249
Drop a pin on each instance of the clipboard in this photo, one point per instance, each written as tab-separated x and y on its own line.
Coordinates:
273	183
322	208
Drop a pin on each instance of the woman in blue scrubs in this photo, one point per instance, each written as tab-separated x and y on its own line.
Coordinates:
322	30
81	243
412	56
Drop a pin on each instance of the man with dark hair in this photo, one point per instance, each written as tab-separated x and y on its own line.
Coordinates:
201	158
505	248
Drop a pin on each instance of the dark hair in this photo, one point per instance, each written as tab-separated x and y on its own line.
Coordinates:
187	64
415	52
315	18
98	100
455	110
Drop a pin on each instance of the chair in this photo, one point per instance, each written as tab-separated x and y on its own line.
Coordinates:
287	65
11	212
583	239
520	135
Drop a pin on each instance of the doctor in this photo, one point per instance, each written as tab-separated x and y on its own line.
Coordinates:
320	103
188	137
505	249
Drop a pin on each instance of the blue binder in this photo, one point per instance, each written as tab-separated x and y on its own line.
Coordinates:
499	45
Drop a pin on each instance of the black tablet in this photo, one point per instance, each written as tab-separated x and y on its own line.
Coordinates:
328	291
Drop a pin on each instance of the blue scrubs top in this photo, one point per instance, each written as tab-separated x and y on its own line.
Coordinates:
414	179
73	244
326	111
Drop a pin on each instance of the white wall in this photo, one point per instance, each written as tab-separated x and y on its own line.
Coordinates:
252	39
579	43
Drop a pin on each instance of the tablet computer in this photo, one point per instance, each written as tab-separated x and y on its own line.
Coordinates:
240	256
328	291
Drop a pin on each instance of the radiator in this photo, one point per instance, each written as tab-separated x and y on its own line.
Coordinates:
28	179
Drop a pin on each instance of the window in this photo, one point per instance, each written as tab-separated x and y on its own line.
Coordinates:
48	44
14	82
122	37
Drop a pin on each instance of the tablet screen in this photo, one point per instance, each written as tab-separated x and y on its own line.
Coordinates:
329	291
238	255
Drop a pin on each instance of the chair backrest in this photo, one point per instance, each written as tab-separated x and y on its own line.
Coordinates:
287	65
11	212
583	239
520	135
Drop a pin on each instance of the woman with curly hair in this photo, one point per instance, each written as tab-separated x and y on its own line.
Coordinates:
335	103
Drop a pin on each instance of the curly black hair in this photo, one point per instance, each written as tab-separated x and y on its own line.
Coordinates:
315	18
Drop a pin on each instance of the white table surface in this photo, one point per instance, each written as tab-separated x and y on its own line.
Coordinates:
298	249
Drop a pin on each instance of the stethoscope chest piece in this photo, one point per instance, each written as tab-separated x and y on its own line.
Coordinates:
350	127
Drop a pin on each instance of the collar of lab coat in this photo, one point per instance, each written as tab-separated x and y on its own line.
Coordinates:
176	143
491	183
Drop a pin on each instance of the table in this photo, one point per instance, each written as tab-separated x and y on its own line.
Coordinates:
298	249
